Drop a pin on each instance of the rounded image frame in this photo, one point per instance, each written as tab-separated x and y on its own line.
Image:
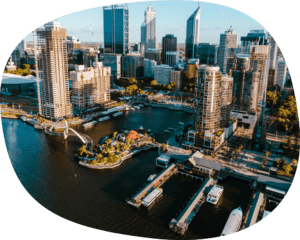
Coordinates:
21	216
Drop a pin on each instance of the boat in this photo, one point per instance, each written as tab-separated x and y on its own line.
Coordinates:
136	107
24	118
151	177
103	119
89	124
117	114
132	108
170	130
86	119
141	105
215	194
181	123
234	222
150	198
167	131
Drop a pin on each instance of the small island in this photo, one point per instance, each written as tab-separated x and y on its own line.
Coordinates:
112	150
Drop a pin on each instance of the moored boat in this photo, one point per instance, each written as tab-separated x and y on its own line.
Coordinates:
234	222
215	194
117	114
103	119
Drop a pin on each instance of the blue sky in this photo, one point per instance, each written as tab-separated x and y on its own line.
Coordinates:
171	18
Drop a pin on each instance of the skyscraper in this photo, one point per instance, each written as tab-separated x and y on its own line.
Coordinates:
169	43
132	66
192	34
148	30
226	99
207	53
280	73
116	28
273	52
55	95
227	40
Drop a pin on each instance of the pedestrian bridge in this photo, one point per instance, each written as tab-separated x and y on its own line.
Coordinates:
85	139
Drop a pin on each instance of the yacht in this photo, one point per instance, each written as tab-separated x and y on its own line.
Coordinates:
215	194
234	222
151	177
117	114
103	119
89	124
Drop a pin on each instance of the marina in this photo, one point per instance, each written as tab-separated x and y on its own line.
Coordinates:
89	124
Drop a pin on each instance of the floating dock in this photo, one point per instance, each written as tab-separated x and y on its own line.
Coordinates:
180	224
136	200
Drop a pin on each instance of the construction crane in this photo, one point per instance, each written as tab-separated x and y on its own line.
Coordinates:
97	50
223	16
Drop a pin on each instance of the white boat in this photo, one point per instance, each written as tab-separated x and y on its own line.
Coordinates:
117	114
215	194
151	177
150	198
86	119
103	119
132	108
141	105
181	123
24	118
136	107
89	124
234	222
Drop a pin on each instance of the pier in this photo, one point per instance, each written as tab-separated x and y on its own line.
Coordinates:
136	200
180	224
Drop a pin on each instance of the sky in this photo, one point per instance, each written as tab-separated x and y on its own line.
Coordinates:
171	17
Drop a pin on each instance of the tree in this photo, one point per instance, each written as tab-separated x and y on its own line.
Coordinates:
127	140
26	66
289	142
115	135
191	90
294	162
153	83
271	99
169	87
288	168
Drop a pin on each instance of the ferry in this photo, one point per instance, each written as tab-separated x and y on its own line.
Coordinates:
234	222
215	194
89	124
117	114
151	177
150	198
103	119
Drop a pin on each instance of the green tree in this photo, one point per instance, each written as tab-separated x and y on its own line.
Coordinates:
271	99
169	87
26	66
288	168
127	140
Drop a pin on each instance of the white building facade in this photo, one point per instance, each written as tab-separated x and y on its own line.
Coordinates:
162	74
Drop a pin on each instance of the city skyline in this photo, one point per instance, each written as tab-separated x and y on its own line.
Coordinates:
171	22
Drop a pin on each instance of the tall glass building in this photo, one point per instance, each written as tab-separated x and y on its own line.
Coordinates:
116	28
192	34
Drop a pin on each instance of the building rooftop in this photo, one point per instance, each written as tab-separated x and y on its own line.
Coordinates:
274	182
198	161
8	78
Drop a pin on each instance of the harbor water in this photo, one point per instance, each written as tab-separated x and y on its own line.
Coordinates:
47	169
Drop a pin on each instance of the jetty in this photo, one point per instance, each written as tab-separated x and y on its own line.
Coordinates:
136	200
180	224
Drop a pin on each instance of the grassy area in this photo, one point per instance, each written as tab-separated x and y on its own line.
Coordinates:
10	114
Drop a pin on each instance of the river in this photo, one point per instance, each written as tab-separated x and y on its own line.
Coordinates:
48	170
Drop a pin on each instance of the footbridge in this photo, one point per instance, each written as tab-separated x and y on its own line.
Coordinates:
85	139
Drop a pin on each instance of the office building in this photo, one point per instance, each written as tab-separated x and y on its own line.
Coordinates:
227	40
162	74
169	43
75	57
153	54
231	53
55	96
226	100
245	85
73	43
132	66
192	34
280	73
255	37
148	30
176	77
149	68
89	56
172	58
90	86
116	28
273	52
207	53
114	62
